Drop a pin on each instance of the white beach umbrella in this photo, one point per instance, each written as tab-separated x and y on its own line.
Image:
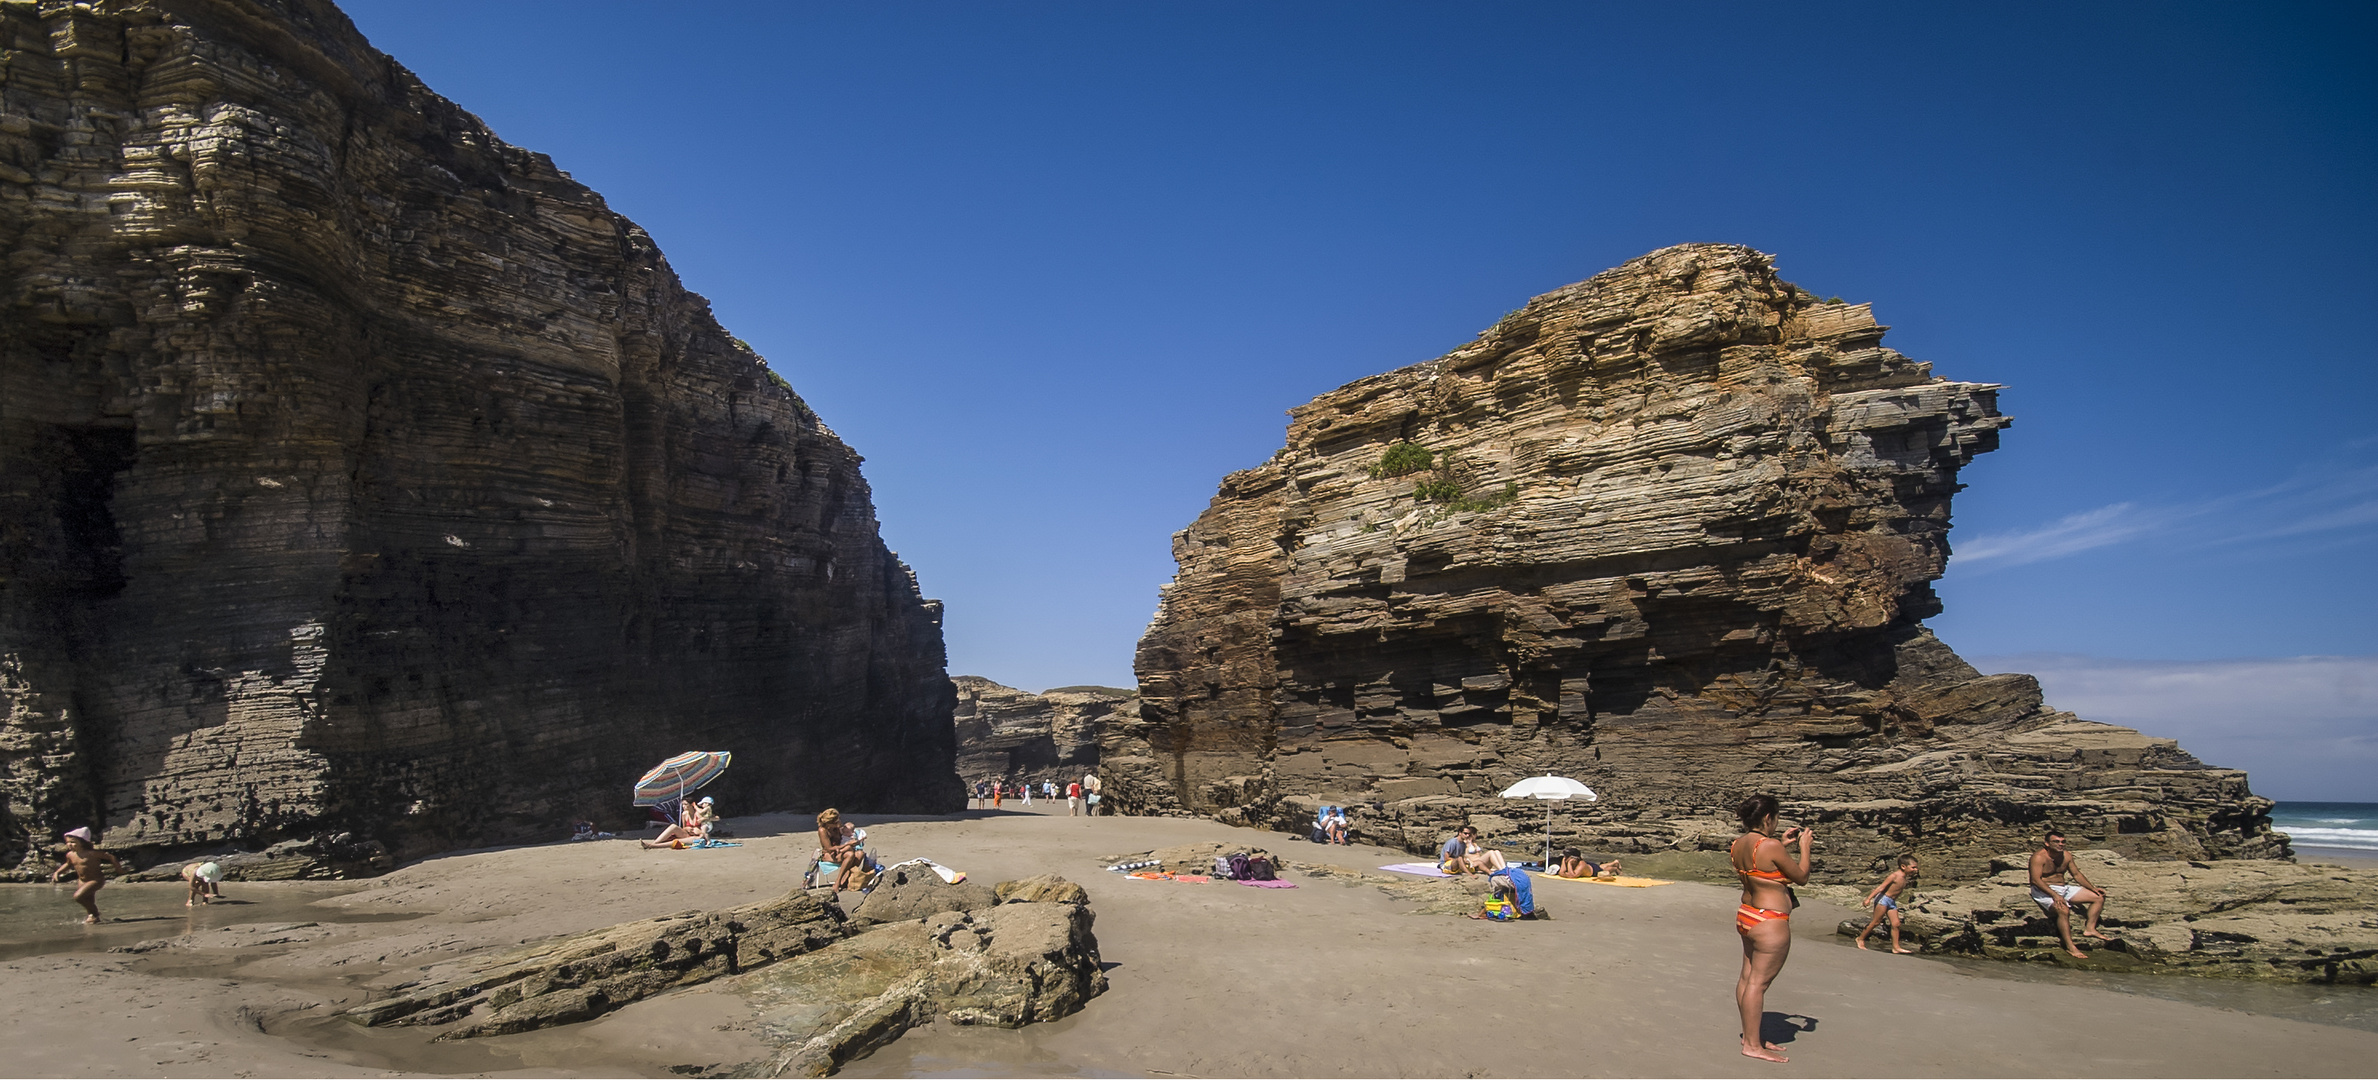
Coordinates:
1550	788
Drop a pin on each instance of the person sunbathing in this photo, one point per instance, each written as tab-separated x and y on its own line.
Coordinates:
1573	865
687	828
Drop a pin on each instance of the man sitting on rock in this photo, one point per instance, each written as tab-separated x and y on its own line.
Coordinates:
2049	865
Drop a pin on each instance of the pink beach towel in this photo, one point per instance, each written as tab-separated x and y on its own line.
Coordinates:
1420	868
1269	884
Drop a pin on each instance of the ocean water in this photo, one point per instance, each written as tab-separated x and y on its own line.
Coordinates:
2343	825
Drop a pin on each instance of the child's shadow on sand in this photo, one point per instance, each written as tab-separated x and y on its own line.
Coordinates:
1781	1029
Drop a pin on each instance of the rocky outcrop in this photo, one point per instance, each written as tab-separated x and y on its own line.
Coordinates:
825	989
2247	918
361	473
585	975
1009	734
1005	966
1671	532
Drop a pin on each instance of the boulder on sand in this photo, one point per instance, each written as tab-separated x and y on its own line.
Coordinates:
913	892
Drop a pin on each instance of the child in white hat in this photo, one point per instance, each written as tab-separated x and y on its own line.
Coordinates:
206	882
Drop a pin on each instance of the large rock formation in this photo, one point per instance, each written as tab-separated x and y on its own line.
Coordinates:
1007	733
1669	531
363	476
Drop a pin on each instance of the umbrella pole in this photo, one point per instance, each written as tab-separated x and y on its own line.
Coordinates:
1548	836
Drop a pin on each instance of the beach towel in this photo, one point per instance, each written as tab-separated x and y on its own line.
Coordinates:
1621	882
1420	868
714	843
1273	883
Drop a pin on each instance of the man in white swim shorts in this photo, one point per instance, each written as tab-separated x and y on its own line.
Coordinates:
2049	866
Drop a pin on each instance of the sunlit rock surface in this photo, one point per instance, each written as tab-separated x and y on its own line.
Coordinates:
1669	531
1007	733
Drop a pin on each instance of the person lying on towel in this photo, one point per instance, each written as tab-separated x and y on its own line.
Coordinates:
1573	865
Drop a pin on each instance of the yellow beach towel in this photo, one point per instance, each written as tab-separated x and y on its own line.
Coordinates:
1626	882
1621	882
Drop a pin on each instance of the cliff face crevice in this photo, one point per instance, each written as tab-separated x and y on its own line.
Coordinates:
363	474
1671	532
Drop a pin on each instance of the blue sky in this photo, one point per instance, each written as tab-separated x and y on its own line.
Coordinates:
1056	268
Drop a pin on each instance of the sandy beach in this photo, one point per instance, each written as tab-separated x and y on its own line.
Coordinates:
1334	978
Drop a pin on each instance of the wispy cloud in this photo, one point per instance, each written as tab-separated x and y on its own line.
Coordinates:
2075	533
2305	727
2315	501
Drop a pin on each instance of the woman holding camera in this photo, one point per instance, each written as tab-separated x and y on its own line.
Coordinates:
1764	860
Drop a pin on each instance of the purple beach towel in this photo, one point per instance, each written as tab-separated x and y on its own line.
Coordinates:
1269	884
1420	868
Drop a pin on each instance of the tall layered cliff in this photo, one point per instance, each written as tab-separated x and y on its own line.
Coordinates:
1669	531
364	477
1009	734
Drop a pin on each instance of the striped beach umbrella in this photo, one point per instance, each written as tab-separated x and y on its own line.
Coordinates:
671	779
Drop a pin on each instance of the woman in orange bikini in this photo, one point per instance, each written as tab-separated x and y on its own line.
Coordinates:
1764	919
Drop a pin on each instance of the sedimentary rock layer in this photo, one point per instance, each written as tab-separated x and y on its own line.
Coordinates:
364	477
1669	531
1004	732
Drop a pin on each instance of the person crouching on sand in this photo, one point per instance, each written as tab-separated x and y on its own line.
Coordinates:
1885	902
1764	919
84	858
206	883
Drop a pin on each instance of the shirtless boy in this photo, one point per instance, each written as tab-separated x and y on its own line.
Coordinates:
84	857
2049	867
1885	902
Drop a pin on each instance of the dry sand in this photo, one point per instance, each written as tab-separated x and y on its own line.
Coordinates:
1329	979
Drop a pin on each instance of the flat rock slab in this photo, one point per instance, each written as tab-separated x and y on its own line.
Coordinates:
1004	966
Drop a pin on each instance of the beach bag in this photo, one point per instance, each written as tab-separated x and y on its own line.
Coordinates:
1239	869
1260	869
1222	868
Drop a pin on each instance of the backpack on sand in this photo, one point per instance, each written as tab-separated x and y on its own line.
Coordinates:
1260	869
1239	868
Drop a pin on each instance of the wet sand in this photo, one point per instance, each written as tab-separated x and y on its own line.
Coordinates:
1329	979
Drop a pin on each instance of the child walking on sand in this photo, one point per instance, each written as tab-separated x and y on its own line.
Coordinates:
83	857
1885	902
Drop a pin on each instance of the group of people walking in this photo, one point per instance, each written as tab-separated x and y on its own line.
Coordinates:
1081	796
1770	862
